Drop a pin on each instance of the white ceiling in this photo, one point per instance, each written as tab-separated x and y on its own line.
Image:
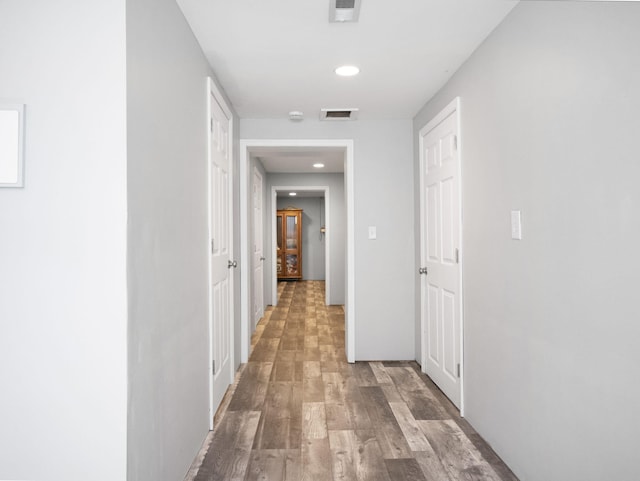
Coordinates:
274	56
300	193
300	159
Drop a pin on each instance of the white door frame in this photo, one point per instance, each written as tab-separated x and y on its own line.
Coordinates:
327	236
453	106
212	89
244	171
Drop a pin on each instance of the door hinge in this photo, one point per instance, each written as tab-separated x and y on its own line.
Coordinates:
213	367
457	256
212	248
458	369
211	124
455	142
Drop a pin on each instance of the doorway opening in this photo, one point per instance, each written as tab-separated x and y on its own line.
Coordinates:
322	234
251	147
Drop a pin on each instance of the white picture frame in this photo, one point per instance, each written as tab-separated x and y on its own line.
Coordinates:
11	145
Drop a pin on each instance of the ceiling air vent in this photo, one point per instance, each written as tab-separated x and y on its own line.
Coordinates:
344	10
338	114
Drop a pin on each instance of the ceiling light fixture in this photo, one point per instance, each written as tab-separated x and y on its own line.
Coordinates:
347	71
293	194
318	165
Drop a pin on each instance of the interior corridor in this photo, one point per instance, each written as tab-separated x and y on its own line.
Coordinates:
299	411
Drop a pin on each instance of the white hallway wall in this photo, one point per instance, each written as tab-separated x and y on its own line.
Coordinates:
550	125
63	299
384	268
115	158
168	242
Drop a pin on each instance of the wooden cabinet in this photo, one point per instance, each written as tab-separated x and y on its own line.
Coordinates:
289	243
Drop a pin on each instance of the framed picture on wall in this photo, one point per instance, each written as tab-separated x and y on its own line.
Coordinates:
11	145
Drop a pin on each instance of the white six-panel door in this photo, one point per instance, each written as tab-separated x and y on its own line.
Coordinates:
258	249
221	233
440	270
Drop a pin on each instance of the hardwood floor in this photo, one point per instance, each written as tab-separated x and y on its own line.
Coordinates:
299	411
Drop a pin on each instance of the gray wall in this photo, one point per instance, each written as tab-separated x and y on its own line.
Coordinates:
313	255
384	268
168	247
63	299
551	327
338	239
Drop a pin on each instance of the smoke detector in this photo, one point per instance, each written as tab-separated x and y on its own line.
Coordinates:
296	115
341	11
338	114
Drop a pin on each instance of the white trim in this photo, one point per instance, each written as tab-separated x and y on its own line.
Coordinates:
350	305
348	145
212	89
453	106
327	238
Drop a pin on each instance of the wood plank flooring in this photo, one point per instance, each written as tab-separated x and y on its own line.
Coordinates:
298	411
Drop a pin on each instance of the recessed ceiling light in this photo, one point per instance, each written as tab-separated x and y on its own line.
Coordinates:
347	71
293	193
318	165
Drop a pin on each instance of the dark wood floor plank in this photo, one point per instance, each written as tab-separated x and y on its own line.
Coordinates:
390	437
347	415
422	402
279	426
230	450
431	465
252	387
275	465
391	393
404	469
423	405
363	373
460	459
265	350
356	455
405	377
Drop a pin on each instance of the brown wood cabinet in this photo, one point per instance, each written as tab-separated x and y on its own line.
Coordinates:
289	243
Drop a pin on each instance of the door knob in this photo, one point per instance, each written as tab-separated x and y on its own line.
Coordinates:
232	264
423	270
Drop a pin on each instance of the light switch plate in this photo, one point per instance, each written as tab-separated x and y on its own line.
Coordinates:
516	225
372	232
